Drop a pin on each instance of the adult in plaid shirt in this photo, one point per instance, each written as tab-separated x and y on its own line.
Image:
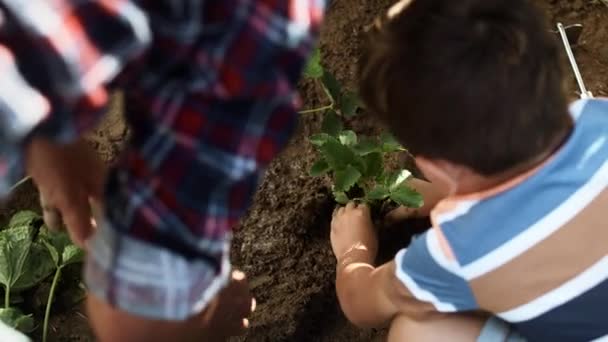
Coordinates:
210	91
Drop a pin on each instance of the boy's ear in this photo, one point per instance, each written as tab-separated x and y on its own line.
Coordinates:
441	172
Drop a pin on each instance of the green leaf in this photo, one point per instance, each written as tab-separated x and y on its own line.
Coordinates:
348	138
345	179
389	143
373	164
407	196
332	124
17	234
398	178
341	197
367	145
24	218
63	251
313	68
319	168
349	103
319	139
332	87
56	241
15	245
15	319
378	193
38	266
53	252
72	254
338	156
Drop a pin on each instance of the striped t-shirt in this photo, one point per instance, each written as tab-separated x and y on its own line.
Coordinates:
532	251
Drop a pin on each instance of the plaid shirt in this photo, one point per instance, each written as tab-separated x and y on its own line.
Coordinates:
209	87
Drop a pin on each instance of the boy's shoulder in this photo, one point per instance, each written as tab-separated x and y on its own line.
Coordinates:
531	251
518	214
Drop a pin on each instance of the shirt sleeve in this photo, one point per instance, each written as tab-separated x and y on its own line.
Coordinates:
57	58
214	101
432	276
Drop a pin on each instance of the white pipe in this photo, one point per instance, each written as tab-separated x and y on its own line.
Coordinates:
579	78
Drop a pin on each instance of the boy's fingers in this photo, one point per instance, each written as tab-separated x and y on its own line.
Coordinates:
78	221
52	218
238	276
400	214
76	213
335	212
364	207
241	297
351	205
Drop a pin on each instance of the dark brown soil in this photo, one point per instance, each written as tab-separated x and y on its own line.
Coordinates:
592	50
282	244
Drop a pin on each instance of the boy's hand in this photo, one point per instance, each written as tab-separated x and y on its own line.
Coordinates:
68	178
352	229
230	311
225	317
431	194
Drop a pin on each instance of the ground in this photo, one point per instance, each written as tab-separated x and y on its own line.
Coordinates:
282	243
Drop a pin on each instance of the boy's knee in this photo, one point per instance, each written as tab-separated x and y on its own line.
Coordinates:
449	327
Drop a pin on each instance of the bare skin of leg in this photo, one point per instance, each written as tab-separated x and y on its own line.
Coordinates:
448	328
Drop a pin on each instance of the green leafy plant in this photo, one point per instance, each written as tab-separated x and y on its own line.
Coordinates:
24	260
29	254
341	101
355	163
15	319
63	253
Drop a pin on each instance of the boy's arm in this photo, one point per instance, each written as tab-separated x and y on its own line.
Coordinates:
421	281
370	297
56	72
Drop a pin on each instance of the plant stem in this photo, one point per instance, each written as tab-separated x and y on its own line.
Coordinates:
315	110
7	297
326	91
49	303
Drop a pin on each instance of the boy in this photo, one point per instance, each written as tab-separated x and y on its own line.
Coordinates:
210	89
518	247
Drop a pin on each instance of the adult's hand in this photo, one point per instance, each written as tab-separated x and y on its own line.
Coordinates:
226	316
68	177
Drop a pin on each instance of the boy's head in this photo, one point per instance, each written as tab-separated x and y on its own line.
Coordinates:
474	83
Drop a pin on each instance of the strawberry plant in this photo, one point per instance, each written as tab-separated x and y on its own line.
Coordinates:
355	163
340	101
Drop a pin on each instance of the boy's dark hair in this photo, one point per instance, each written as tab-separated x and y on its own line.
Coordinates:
474	82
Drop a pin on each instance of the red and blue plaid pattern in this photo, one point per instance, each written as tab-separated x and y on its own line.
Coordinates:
209	88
